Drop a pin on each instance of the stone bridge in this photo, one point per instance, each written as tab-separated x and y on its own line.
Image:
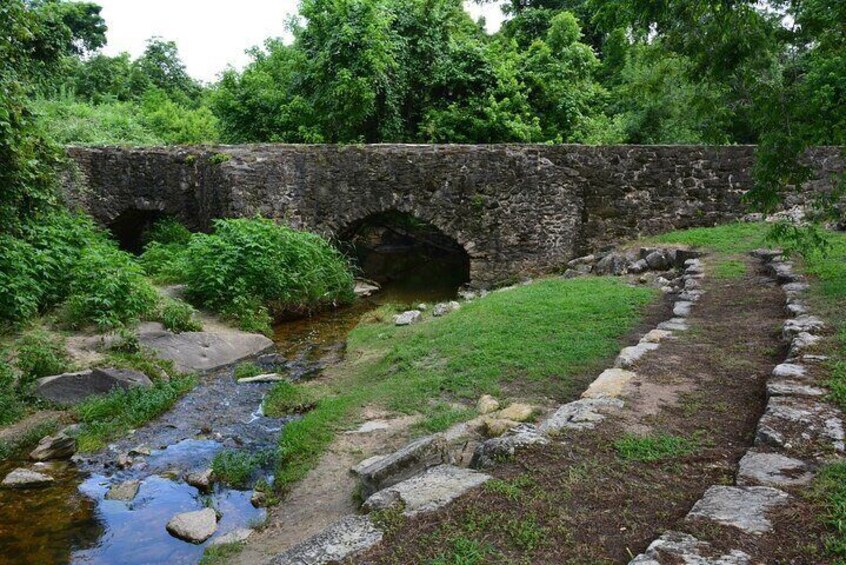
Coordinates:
517	210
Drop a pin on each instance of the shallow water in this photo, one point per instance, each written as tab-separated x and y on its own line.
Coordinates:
71	522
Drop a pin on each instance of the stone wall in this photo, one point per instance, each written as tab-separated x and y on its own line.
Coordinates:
517	210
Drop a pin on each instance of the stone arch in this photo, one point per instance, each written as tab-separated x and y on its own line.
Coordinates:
389	240
129	226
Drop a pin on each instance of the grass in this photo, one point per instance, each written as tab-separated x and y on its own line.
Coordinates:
738	237
247	370
830	490
236	468
730	269
221	553
286	398
28	438
650	449
105	418
533	341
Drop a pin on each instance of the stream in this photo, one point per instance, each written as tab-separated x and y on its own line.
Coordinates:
72	522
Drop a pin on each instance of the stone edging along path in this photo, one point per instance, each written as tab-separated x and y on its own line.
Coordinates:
798	432
423	476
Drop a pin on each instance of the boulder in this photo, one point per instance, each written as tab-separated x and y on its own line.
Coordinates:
487	404
657	261
408	318
25	479
612	264
125	491
427	492
59	446
204	352
72	388
406	462
445	308
194	527
334	544
681	309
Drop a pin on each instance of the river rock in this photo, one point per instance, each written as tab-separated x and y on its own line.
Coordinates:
406	462
204	352
745	508
678	547
201	480
125	491
408	318
72	388
487	404
427	492
445	308
194	527
60	446
363	288
235	536
25	479
334	544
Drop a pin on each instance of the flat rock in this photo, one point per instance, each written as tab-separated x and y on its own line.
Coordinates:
579	414
60	446
681	309
656	336
445	308
193	527
789	371
503	448
408	318
235	536
802	342
609	384
796	287
795	423
691	295
797	309
678	547
804	323
772	470
337	542
630	355
427	492
68	389
205	351
674	324
363	289
744	508
125	491
265	378
787	387
404	463
25	479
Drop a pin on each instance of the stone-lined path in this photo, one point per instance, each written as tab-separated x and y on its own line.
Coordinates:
578	498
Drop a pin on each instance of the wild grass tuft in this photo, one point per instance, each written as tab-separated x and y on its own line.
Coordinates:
238	467
649	449
286	398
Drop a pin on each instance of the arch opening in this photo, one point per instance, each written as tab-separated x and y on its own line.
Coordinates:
131	225
410	258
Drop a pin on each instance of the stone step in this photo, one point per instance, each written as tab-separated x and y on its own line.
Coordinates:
337	542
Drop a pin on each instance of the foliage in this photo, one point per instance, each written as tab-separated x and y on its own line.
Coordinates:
237	468
178	317
11	407
830	490
246	264
105	418
70	122
40	354
247	370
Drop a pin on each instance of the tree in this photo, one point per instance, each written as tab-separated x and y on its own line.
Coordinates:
164	69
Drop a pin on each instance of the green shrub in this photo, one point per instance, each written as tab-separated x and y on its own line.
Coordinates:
70	122
250	314
236	468
247	370
286	398
163	261
41	354
247	263
108	289
168	230
177	316
11	407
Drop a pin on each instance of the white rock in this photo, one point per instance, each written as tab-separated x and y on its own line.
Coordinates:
788	371
194	527
487	404
581	414
235	536
265	378
630	355
445	308
656	336
334	544
674	324
802	342
744	508
772	470
25	479
684	548
408	318
609	384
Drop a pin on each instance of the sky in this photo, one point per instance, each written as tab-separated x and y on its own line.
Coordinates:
212	34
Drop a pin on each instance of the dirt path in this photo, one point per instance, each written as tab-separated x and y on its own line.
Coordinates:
602	496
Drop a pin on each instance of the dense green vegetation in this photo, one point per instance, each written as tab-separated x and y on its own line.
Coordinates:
537	341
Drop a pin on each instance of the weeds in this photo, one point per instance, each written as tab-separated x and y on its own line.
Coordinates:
178	317
650	449
237	468
286	398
